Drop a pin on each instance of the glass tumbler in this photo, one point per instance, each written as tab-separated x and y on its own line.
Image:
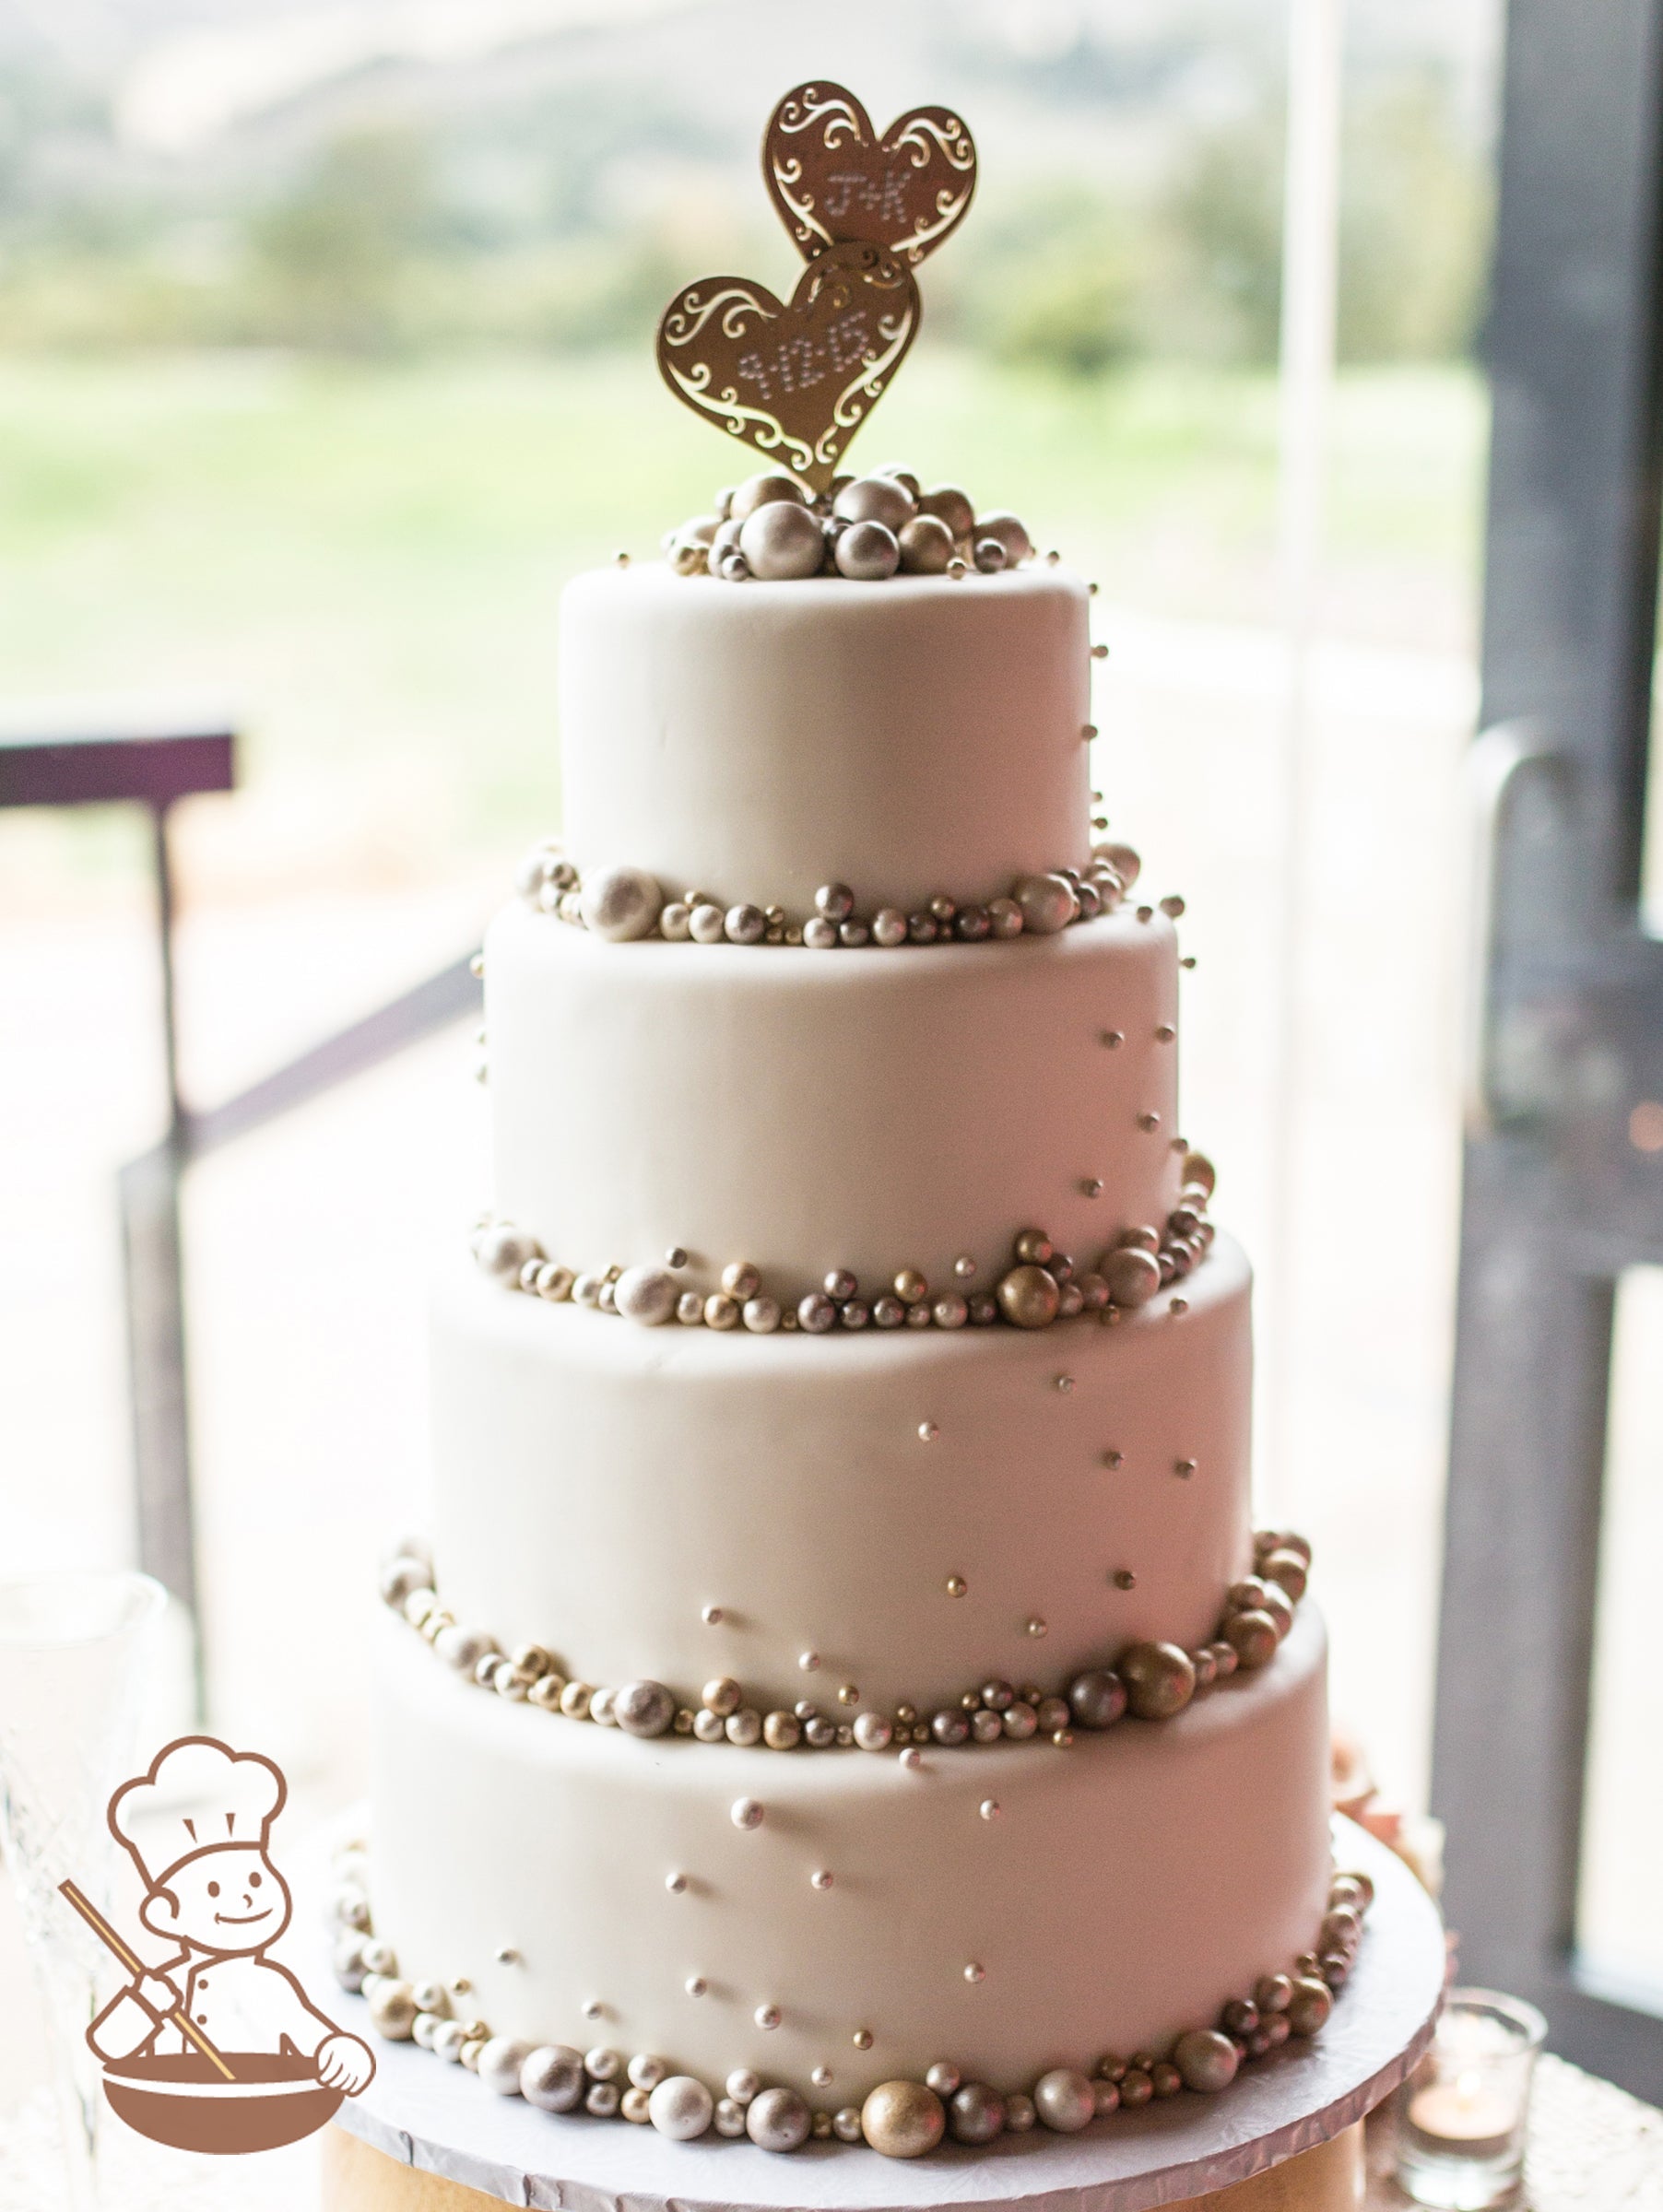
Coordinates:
1461	2115
75	1658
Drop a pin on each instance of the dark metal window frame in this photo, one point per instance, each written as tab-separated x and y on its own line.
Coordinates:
1556	1201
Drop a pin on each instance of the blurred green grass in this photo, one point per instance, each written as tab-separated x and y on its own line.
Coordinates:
366	560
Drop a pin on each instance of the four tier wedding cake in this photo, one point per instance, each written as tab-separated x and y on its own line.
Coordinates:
844	1695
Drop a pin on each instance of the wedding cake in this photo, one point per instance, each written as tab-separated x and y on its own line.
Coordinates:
844	1694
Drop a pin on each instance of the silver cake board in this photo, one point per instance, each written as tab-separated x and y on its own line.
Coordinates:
439	2119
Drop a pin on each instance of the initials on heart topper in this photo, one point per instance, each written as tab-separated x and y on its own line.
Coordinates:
794	381
833	180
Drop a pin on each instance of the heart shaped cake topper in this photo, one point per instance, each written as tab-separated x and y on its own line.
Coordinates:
794	381
833	180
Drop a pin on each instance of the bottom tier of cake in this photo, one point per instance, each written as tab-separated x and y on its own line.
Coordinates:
834	1922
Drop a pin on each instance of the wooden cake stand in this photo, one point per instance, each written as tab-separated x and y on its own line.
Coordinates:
1287	2135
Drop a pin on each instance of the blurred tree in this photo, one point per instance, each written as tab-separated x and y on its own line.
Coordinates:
1414	228
1051	282
330	264
1213	272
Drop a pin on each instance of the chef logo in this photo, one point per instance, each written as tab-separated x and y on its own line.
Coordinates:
216	2048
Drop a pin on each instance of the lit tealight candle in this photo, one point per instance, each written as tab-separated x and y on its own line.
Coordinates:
1464	2117
1461	2118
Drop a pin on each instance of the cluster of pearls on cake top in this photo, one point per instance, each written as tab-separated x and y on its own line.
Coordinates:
1039	1285
864	528
1152	1681
622	904
902	2119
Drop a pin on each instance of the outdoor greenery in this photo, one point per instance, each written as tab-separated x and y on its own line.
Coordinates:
365	557
387	233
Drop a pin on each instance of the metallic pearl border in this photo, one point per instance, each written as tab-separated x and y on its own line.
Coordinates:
1202	2059
1038	1287
627	904
1149	1680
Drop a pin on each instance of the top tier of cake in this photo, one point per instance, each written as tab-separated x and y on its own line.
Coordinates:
910	739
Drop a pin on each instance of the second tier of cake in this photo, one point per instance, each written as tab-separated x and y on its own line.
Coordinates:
911	1513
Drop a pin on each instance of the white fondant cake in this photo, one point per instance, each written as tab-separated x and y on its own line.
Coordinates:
859	1577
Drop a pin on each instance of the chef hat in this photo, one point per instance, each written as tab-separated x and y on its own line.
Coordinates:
199	1796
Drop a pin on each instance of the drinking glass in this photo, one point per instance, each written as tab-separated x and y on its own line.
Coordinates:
1461	2114
74	1654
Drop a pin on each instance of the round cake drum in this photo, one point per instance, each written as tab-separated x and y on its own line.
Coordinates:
440	2120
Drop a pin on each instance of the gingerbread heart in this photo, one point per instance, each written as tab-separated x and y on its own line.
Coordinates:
833	180
794	382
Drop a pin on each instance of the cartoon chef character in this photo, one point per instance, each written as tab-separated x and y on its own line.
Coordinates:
196	1826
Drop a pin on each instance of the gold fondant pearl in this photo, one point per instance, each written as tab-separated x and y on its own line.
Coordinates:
1133	1275
862	2038
1065	2101
1252	1638
1029	1297
909	1287
1198	1169
636	2106
1064	1383
1309	2006
902	2119
763	490
392	2010
1036	1626
1160	1679
721	1312
782	1731
964	1267
742	1280
847	1694
956	1585
723	1696
1288	1570
1032	1247
951	506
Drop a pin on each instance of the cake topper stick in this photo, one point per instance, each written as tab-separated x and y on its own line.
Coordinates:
796	379
835	181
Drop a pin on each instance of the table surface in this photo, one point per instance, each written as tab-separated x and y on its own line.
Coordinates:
1592	2150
